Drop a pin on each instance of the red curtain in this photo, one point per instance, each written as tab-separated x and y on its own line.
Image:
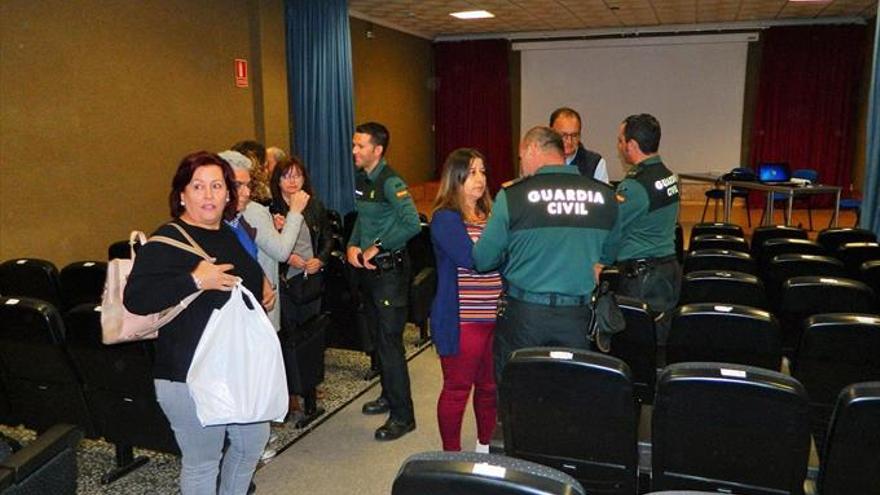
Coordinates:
807	100
472	103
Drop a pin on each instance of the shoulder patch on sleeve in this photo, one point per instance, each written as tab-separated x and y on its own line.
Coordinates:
402	193
513	182
620	198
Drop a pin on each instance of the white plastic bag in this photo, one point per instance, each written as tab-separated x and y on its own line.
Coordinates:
237	372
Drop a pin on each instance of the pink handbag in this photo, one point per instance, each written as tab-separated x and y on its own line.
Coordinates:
118	325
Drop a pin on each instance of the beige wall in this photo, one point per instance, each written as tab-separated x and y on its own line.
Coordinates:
99	101
393	75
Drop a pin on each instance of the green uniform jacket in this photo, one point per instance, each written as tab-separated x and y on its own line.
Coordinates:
649	202
385	208
546	231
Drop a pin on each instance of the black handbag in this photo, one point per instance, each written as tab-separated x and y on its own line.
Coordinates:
304	289
606	319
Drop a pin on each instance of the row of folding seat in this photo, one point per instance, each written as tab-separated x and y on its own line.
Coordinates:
55	370
718	427
77	283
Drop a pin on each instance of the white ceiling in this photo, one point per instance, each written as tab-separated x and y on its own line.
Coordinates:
431	19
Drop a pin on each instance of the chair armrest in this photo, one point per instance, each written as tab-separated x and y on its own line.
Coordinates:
45	447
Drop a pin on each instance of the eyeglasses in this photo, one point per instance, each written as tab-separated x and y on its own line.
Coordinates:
239	184
573	136
291	177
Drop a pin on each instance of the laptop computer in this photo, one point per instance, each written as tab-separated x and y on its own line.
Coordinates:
777	173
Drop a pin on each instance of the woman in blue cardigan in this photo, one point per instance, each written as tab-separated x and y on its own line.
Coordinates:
463	312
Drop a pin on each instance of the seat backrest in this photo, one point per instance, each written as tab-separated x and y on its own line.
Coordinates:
723	287
803	297
421	251
785	266
869	272
777	246
724	333
851	461
767	232
853	254
636	345
723	427
719	259
836	350
469	473
833	238
719	228
82	282
572	410
30	277
719	241
806	173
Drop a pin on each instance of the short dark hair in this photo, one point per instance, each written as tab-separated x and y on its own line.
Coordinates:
251	147
184	174
546	138
564	112
379	134
645	129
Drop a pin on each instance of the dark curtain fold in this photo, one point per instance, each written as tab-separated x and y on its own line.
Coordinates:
472	103
321	96
871	189
807	96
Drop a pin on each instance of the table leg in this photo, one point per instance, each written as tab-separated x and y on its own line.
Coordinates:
728	199
789	207
836	216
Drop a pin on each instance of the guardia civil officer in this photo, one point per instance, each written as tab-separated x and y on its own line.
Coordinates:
387	219
644	245
545	233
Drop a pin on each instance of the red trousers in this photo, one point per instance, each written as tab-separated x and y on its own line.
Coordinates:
472	367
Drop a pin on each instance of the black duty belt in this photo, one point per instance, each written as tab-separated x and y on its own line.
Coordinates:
635	267
547	298
389	260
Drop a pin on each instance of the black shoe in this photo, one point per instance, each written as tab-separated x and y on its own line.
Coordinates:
393	429
378	406
252	489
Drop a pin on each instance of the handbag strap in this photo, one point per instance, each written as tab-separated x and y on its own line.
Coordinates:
193	246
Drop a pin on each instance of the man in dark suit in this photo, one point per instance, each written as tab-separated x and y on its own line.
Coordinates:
567	122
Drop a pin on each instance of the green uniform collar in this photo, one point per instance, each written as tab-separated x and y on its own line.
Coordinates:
376	171
651	160
557	169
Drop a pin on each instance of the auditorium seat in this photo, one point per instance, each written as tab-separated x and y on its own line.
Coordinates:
853	254
723	287
831	239
786	266
47	465
851	460
777	246
572	410
724	333
469	473
719	259
766	232
43	387
119	250
835	351
729	428
31	277
636	345
803	297
119	390
424	280
869	273
82	282
719	241
720	228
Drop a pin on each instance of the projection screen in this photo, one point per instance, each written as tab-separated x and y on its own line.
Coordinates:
693	84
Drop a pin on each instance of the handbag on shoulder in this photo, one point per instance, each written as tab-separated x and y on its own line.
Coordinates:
606	318
118	325
305	288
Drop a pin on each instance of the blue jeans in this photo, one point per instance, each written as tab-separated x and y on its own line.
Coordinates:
202	446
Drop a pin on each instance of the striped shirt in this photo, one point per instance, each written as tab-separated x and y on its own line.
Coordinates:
477	292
